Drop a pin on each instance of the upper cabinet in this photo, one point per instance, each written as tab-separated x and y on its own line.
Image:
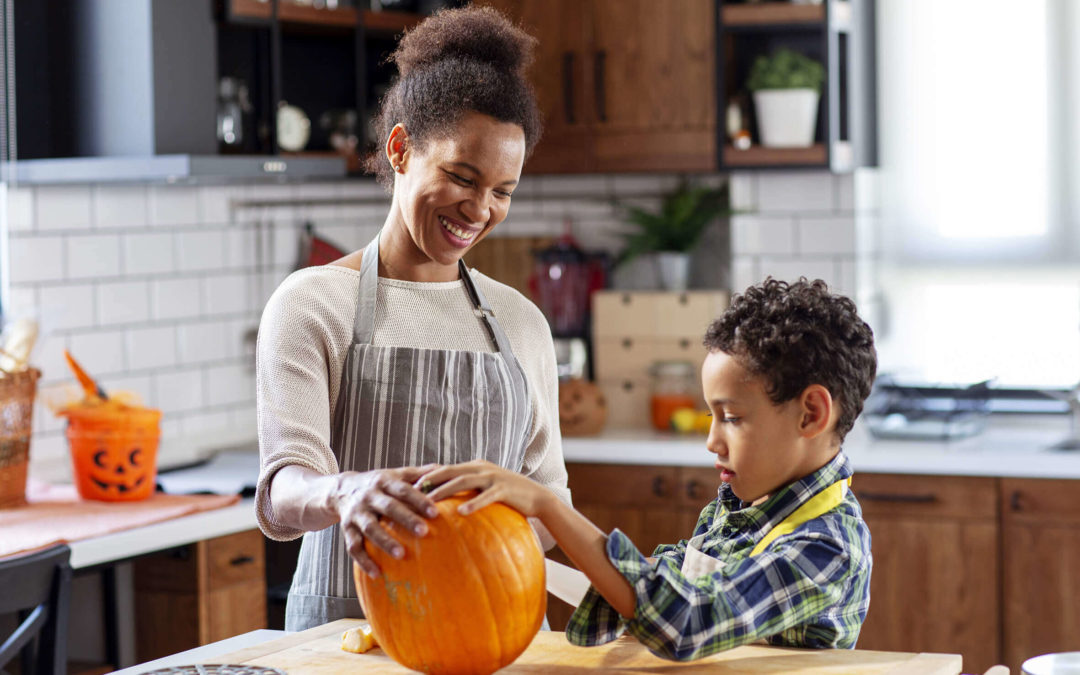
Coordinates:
836	34
624	85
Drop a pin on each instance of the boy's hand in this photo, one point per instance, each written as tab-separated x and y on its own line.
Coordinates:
495	483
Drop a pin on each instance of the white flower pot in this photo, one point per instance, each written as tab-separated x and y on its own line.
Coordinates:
673	269
786	117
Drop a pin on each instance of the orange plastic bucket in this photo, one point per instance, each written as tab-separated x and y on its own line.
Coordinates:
114	450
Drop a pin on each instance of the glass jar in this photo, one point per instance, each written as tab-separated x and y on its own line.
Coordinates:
674	386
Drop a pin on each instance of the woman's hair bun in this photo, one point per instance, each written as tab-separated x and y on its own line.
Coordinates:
470	33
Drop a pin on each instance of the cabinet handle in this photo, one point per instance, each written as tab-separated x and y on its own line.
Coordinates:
598	81
659	486
568	86
692	490
1015	502
897	497
241	560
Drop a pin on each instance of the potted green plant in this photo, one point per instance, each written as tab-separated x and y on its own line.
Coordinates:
786	86
672	232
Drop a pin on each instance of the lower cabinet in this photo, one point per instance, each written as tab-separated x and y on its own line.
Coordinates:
200	593
935	584
983	567
1041	533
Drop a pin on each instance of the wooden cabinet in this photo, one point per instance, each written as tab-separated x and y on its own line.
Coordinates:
624	85
200	593
1041	533
935	585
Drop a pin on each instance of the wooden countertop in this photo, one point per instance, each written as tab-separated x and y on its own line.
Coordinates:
318	650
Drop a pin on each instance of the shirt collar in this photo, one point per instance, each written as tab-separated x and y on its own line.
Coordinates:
784	501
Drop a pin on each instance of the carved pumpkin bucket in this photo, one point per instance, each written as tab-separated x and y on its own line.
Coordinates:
467	598
114	451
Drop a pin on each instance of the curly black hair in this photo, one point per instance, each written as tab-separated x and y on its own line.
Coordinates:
798	334
457	61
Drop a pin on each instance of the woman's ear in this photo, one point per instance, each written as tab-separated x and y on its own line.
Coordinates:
818	411
397	148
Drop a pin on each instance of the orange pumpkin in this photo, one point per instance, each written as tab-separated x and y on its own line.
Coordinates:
466	598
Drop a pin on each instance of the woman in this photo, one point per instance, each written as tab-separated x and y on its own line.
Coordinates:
396	356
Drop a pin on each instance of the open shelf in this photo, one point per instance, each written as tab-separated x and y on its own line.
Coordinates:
251	9
353	163
289	12
389	21
758	156
771	14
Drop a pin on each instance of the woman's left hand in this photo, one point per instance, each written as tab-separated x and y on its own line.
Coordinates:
495	483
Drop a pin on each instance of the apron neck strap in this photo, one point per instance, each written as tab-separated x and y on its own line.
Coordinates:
364	324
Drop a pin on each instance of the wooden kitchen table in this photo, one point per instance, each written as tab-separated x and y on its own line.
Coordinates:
317	651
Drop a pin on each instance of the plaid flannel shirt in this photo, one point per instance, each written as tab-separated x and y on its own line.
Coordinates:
809	588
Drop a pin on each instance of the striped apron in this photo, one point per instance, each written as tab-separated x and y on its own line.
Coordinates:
400	406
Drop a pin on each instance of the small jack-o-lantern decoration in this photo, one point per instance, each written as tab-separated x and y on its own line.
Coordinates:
115	455
582	408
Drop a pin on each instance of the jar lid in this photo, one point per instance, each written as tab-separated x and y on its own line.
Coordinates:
673	368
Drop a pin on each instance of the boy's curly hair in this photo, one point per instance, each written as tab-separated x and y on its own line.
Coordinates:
454	62
798	334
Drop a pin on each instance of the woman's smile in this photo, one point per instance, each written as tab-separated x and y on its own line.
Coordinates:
457	233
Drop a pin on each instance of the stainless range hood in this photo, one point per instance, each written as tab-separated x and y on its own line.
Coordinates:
199	169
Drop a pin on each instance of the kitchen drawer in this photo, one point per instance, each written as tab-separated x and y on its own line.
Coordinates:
632	357
1043	500
235	558
929	496
688	314
627	403
176	570
618	315
619	485
234	610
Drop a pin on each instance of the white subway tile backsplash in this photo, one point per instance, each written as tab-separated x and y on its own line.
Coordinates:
754	234
201	423
214	203
867	189
229	384
49	456
93	256
174	205
743	191
239	247
788	192
743	273
48	356
45	420
22	301
580	210
245	417
846	283
176	298
150	348
36	258
120	206
66	307
148	253
556	188
100	353
178	391
123	302
790	269
63	208
200	342
285	245
226	294
20	208
637	185
845	192
200	250
835	235
140	386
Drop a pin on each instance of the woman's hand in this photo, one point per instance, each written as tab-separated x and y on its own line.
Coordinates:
495	483
361	498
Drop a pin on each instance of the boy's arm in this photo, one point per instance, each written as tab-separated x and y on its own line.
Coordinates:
586	545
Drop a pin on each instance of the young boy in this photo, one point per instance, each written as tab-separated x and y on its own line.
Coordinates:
782	553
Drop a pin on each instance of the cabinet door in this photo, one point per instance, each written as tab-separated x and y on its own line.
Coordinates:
558	74
1041	538
651	73
935	582
642	501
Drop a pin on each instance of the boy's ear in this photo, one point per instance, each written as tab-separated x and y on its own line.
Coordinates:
817	411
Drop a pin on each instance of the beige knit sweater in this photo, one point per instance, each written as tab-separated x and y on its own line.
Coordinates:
306	330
